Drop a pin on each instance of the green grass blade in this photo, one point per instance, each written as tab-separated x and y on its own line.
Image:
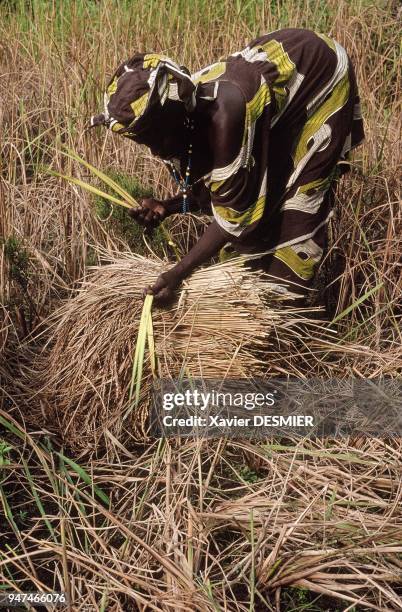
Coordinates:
356	303
11	427
151	344
7	511
89	187
138	362
142	337
85	477
104	177
40	450
104	601
76	494
37	500
139	346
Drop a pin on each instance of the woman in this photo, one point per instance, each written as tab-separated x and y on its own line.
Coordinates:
255	140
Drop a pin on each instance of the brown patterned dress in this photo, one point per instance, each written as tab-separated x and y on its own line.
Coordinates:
272	191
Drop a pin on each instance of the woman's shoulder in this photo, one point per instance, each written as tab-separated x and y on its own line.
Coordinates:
230	105
227	116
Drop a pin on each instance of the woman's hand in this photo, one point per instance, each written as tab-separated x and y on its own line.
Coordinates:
206	247
164	287
150	213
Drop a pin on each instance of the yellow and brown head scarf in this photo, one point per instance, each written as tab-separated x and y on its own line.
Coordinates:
142	83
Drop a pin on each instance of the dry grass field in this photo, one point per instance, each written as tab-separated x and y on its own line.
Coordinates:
174	524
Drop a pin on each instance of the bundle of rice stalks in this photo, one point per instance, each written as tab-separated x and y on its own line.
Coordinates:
223	323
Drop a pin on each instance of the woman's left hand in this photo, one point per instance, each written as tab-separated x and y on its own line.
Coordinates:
163	288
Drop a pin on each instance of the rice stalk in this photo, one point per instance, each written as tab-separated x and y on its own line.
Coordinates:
144	336
107	180
89	187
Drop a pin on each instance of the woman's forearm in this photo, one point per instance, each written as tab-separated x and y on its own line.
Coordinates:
206	247
210	243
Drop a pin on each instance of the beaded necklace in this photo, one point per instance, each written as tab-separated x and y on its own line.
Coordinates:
184	183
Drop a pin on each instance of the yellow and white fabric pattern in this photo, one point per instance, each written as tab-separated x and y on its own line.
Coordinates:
301	117
137	86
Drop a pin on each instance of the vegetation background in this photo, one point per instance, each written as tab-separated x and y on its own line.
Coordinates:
223	525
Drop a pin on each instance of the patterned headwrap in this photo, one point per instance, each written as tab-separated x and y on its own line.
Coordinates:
138	86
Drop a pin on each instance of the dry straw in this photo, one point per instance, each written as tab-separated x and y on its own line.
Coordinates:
222	321
4	331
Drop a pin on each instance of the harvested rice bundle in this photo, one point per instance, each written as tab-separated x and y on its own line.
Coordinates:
218	327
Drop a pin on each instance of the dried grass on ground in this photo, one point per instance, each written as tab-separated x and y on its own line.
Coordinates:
210	524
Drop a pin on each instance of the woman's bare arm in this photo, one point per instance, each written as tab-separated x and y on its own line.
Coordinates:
210	243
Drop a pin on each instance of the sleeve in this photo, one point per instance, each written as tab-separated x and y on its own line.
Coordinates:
238	186
238	203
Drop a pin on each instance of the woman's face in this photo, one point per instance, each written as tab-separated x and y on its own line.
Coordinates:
164	131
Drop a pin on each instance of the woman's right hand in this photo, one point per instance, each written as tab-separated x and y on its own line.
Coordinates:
150	213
